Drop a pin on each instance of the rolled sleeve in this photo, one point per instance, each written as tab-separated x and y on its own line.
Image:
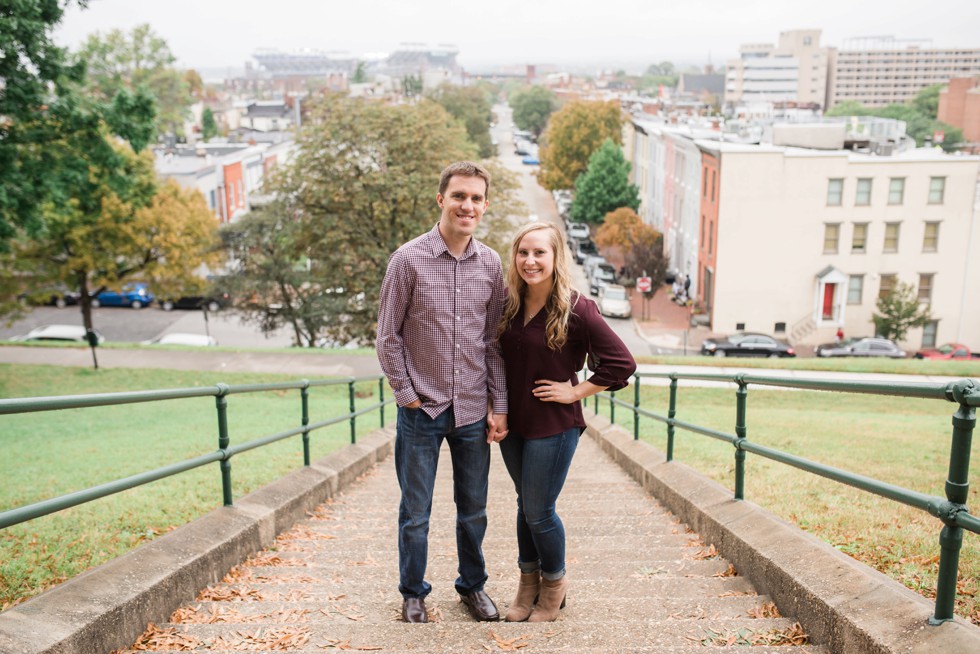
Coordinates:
612	364
396	292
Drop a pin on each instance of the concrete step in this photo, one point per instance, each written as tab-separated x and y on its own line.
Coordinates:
562	635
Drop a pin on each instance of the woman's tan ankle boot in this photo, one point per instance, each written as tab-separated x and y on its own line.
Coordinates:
527	595
551	599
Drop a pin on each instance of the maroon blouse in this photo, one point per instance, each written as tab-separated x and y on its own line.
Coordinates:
527	358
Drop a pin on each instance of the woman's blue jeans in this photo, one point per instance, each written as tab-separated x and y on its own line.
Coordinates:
538	468
418	439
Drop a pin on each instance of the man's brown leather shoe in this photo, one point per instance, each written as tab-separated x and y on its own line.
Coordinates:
413	610
481	606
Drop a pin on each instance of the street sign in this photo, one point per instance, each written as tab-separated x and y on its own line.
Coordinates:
643	284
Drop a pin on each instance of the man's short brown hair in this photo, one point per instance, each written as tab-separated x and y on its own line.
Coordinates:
463	169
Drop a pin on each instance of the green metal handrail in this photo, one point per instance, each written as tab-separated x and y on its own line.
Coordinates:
222	455
950	510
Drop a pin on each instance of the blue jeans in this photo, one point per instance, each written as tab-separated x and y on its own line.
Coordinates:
538	468
418	439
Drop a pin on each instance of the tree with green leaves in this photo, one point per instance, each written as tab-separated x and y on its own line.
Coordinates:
605	186
363	182
574	132
898	312
209	126
33	72
120	61
472	108
919	116
532	106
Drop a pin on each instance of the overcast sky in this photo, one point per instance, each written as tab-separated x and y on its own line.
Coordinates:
608	33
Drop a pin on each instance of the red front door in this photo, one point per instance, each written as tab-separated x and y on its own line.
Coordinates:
828	301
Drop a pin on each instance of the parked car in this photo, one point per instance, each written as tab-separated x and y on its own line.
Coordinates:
135	294
746	344
56	297
188	302
578	230
73	333
591	261
183	338
614	301
602	274
860	347
584	248
531	160
947	351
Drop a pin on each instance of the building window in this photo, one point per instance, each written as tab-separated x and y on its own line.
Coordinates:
937	188
891	237
701	237
835	192
711	239
863	196
887	285
714	181
859	242
780	328
855	289
704	191
896	190
929	331
831	235
925	287
740	326
930	239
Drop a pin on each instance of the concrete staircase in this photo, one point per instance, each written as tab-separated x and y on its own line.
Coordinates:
640	581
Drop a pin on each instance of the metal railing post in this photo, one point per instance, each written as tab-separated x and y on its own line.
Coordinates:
636	407
221	403
671	412
612	407
595	404
957	492
381	400
304	394
353	419
741	394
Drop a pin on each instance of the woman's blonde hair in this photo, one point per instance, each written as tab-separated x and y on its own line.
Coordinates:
560	300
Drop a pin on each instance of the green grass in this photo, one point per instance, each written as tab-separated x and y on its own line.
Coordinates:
967	368
905	442
51	453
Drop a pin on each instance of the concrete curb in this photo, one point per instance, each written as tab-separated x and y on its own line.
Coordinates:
841	603
109	606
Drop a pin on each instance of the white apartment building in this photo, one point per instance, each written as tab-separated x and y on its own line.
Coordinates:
666	167
794	71
807	240
882	73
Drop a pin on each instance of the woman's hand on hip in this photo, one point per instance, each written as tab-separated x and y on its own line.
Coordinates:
555	391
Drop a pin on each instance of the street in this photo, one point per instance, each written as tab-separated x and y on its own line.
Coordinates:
126	325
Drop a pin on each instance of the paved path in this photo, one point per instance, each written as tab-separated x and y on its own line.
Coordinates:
640	581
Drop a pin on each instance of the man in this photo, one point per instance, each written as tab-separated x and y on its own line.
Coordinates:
441	301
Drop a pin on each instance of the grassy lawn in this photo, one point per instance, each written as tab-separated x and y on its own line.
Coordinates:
50	453
905	442
967	368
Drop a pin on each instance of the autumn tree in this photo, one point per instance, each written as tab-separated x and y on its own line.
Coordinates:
626	232
574	132
605	186
471	107
898	312
120	61
363	181
532	107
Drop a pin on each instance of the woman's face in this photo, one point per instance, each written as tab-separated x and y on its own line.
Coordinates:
535	259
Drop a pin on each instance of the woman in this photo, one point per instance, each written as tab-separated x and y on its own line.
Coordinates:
546	332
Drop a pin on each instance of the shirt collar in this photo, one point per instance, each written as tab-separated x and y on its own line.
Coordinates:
438	245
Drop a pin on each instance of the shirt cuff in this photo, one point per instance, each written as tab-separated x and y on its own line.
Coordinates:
406	396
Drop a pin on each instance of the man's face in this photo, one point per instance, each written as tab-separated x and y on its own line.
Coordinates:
462	206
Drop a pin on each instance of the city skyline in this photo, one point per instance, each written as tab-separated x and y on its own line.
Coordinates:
618	33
